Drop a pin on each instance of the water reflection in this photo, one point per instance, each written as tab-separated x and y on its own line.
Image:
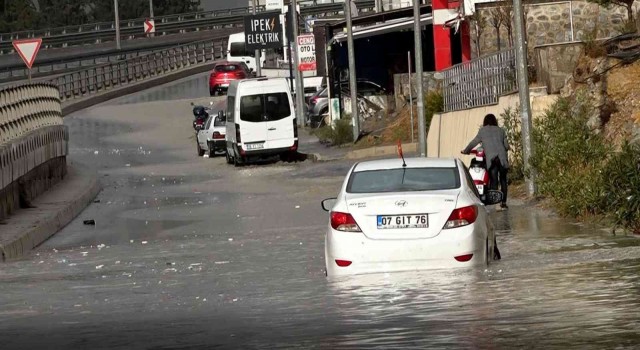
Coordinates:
191	87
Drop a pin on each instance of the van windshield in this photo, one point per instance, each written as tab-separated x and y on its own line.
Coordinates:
264	107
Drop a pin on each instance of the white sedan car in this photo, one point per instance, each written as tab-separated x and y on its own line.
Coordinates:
423	215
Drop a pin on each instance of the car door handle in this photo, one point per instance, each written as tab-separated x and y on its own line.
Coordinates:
271	129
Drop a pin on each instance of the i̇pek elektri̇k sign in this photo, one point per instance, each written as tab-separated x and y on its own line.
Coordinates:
263	31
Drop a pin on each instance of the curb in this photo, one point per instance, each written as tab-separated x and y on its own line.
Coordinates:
371	152
48	226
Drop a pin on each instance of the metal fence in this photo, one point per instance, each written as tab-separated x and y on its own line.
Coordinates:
129	29
479	82
112	75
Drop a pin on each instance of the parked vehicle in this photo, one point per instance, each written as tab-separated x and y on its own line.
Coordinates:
237	52
225	72
318	105
424	214
478	170
211	137
260	120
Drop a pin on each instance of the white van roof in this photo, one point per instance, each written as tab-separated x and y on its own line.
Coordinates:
237	37
263	83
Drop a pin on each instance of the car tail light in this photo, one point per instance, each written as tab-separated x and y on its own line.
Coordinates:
238	138
313	100
478	182
464	258
344	222
462	217
343	263
217	135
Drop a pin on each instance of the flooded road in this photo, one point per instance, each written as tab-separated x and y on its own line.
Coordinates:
188	252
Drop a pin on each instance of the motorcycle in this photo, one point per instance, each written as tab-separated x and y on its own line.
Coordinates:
200	114
479	171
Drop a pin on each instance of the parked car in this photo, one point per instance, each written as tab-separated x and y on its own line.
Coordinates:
211	137
225	72
260	120
318	105
425	215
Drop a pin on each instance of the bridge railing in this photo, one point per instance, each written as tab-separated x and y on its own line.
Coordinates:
179	23
479	82
33	143
98	78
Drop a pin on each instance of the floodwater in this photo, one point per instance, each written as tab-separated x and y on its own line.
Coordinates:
190	252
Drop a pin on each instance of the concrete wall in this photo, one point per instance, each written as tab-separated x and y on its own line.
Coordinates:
401	86
449	133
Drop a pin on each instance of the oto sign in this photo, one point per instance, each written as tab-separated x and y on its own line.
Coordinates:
306	52
149	26
263	31
27	49
274	5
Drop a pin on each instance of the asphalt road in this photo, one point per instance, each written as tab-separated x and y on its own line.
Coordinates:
189	252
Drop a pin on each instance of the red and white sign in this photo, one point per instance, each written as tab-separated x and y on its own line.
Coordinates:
306	52
27	49
149	26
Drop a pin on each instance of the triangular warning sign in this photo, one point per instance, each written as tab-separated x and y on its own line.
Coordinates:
28	49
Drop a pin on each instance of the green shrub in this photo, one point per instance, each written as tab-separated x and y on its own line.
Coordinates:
511	125
569	158
341	133
433	103
621	181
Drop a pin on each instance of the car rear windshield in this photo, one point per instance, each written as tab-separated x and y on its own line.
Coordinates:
227	68
401	180
239	49
264	107
219	122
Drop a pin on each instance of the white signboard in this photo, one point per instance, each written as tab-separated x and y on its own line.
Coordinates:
306	52
274	5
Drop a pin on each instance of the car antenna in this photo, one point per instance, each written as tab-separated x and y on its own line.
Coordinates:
404	164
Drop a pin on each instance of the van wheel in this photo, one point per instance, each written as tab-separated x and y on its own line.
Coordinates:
200	150
236	162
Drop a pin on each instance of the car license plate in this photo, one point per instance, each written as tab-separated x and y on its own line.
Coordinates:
252	146
403	221
480	189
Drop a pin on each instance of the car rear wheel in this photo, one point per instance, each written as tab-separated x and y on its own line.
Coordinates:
212	149
200	150
228	157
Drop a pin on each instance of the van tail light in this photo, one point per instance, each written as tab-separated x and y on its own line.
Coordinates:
343	263
344	222
462	217
463	258
217	135
238	138
295	146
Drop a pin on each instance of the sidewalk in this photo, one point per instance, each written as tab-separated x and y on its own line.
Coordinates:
318	152
27	228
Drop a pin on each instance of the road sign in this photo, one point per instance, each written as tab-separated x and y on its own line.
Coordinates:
149	26
27	49
274	5
306	52
263	31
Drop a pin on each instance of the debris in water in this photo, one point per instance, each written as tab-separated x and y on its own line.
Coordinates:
127	165
235	299
144	242
297	207
171	270
89	222
221	262
99	267
95	152
131	241
96	201
100	246
230	239
84	253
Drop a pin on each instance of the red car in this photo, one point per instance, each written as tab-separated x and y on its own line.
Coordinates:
225	72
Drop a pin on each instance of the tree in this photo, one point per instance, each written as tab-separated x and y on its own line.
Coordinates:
479	24
18	15
506	15
59	13
628	4
495	20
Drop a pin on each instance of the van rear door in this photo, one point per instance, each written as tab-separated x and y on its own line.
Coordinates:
253	129
279	116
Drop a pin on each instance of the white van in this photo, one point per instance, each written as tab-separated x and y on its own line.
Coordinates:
237	52
260	120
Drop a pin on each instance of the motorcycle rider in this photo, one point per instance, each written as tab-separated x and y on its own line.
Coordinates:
494	142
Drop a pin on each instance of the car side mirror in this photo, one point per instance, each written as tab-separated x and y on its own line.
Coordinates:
492	197
329	203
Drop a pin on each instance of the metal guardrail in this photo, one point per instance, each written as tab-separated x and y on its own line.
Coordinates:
479	82
111	75
129	29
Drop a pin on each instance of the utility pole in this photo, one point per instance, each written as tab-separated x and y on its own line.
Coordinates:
417	37
258	51
352	72
151	14
117	23
299	84
523	92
